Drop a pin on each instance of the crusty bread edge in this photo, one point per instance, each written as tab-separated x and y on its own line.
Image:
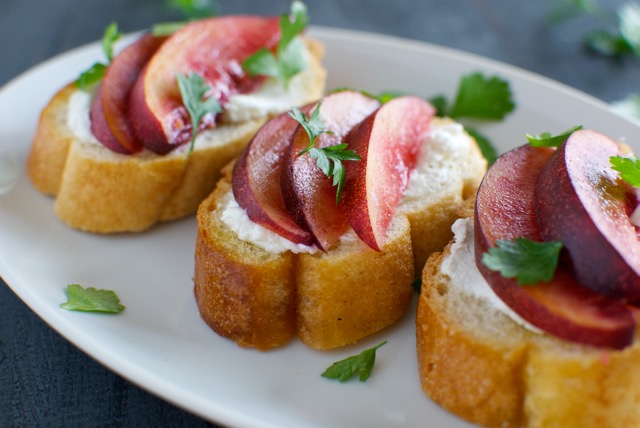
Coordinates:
103	192
523	378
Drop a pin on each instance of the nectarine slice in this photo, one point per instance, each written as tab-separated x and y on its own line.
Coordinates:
213	48
581	202
388	141
308	192
110	122
257	175
561	307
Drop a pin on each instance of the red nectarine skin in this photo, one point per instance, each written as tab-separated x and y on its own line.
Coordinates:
561	307
388	141
308	192
580	202
214	48
110	122
257	176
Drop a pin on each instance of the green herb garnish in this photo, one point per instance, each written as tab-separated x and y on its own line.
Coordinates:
192	89
91	300
360	364
528	261
620	36
328	159
195	9
566	9
629	169
96	72
546	139
486	148
289	59
167	28
478	97
312	124
191	9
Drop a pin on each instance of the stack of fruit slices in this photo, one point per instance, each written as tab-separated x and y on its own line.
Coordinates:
571	196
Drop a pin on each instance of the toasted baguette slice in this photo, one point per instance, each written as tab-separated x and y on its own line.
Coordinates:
101	191
260	298
480	364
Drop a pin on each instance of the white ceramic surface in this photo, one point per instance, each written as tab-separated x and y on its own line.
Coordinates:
159	342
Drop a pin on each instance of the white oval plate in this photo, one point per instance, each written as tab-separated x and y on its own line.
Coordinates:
159	342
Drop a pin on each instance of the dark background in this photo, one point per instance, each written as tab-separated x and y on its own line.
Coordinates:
44	381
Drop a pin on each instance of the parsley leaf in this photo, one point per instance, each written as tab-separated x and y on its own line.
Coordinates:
440	103
195	9
95	73
630	25
91	76
622	38
192	89
563	10
629	169
547	140
313	124
479	97
289	59
528	261
360	364
191	9
167	28
328	159
91	300
485	146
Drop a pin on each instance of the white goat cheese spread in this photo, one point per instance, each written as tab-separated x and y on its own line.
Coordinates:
236	218
460	267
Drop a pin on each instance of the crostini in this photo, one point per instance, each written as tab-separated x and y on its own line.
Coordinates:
284	250
502	349
116	157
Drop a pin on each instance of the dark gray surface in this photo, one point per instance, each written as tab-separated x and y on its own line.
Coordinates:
44	381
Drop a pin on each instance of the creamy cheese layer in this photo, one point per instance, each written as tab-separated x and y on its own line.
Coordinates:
272	98
440	166
460	267
236	218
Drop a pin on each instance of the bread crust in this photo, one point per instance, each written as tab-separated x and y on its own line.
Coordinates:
51	144
100	191
260	299
515	377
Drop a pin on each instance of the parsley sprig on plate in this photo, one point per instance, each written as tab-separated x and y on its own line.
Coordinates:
478	97
96	72
360	365
91	300
482	98
328	159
